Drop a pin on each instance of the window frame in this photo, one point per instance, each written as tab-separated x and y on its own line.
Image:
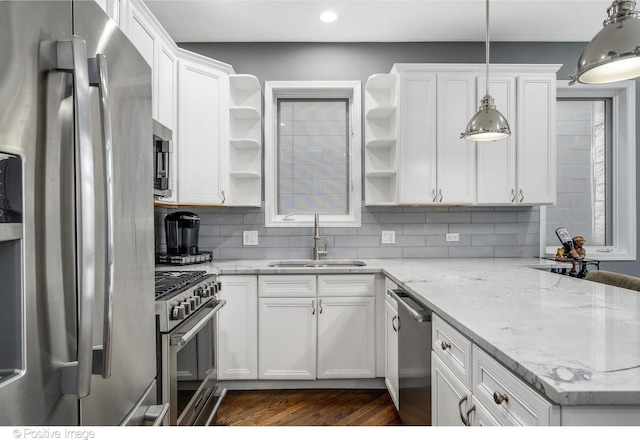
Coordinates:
622	95
275	90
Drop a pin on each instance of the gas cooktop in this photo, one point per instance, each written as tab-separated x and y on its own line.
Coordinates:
168	283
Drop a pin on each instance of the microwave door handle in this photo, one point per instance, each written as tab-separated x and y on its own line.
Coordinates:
98	77
72	57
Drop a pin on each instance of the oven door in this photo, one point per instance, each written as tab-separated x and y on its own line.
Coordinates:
201	326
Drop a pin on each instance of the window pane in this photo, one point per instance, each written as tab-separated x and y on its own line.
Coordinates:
583	177
313	159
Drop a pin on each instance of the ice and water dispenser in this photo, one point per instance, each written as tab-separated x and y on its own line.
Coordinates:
11	250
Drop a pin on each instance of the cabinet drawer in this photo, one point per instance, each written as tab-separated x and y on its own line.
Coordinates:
346	285
390	285
453	348
286	286
520	404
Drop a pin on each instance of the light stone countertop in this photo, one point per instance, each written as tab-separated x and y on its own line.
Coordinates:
576	342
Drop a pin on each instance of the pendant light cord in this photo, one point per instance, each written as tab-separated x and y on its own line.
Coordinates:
486	87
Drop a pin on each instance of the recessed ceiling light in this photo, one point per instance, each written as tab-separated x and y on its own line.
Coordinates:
328	16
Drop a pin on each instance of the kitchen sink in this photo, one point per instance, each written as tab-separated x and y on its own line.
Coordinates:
317	263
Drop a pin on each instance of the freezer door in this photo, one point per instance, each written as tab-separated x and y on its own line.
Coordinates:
36	124
132	366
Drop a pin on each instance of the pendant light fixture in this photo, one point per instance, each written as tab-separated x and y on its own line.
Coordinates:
614	53
488	124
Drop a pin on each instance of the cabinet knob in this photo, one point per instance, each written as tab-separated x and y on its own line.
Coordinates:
521	196
435	197
499	398
440	201
513	196
445	345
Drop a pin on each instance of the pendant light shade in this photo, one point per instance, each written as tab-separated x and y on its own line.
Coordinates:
614	53
488	124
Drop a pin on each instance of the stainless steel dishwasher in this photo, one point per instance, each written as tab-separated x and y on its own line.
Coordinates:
414	359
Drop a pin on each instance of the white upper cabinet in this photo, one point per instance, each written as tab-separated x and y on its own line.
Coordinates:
112	8
217	125
201	133
497	159
414	154
159	51
436	166
521	170
417	141
455	157
536	139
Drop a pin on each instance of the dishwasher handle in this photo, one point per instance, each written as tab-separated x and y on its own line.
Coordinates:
415	309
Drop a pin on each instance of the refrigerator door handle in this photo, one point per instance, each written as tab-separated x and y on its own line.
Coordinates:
72	57
98	77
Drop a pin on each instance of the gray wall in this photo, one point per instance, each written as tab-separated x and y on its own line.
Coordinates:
484	232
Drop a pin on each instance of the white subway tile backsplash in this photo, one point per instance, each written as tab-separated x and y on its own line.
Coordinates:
420	233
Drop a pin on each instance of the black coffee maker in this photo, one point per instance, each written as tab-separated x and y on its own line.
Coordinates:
182	229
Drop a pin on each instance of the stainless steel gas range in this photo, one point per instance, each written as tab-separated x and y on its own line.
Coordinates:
186	309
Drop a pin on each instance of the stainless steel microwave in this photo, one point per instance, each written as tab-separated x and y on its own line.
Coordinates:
163	154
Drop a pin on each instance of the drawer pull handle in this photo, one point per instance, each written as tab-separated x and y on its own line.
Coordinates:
462	417
469	411
499	398
445	345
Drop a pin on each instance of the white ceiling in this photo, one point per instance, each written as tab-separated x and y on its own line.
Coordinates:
379	21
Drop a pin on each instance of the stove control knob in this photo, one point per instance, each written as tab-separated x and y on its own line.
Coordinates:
178	312
187	307
219	285
199	291
194	301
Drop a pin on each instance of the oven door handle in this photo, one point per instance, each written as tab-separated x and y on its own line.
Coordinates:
183	338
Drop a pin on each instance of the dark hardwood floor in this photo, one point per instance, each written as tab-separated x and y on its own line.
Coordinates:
307	408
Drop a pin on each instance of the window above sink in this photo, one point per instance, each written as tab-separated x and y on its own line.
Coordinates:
312	153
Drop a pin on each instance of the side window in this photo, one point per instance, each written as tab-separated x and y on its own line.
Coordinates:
596	171
312	153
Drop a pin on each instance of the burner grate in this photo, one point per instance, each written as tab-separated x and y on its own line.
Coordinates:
168	283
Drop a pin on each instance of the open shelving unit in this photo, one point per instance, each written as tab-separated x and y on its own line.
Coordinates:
245	140
380	134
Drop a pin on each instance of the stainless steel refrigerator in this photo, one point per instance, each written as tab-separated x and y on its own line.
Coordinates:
77	326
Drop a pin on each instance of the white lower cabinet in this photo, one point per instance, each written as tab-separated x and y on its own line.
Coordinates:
391	377
316	326
450	398
238	328
469	387
287	338
391	373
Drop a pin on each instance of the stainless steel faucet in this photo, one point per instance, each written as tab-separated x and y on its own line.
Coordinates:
317	253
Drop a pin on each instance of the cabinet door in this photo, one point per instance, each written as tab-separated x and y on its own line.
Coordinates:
167	85
536	139
140	30
391	351
238	328
287	338
450	399
346	337
417	138
496	160
201	160
456	158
